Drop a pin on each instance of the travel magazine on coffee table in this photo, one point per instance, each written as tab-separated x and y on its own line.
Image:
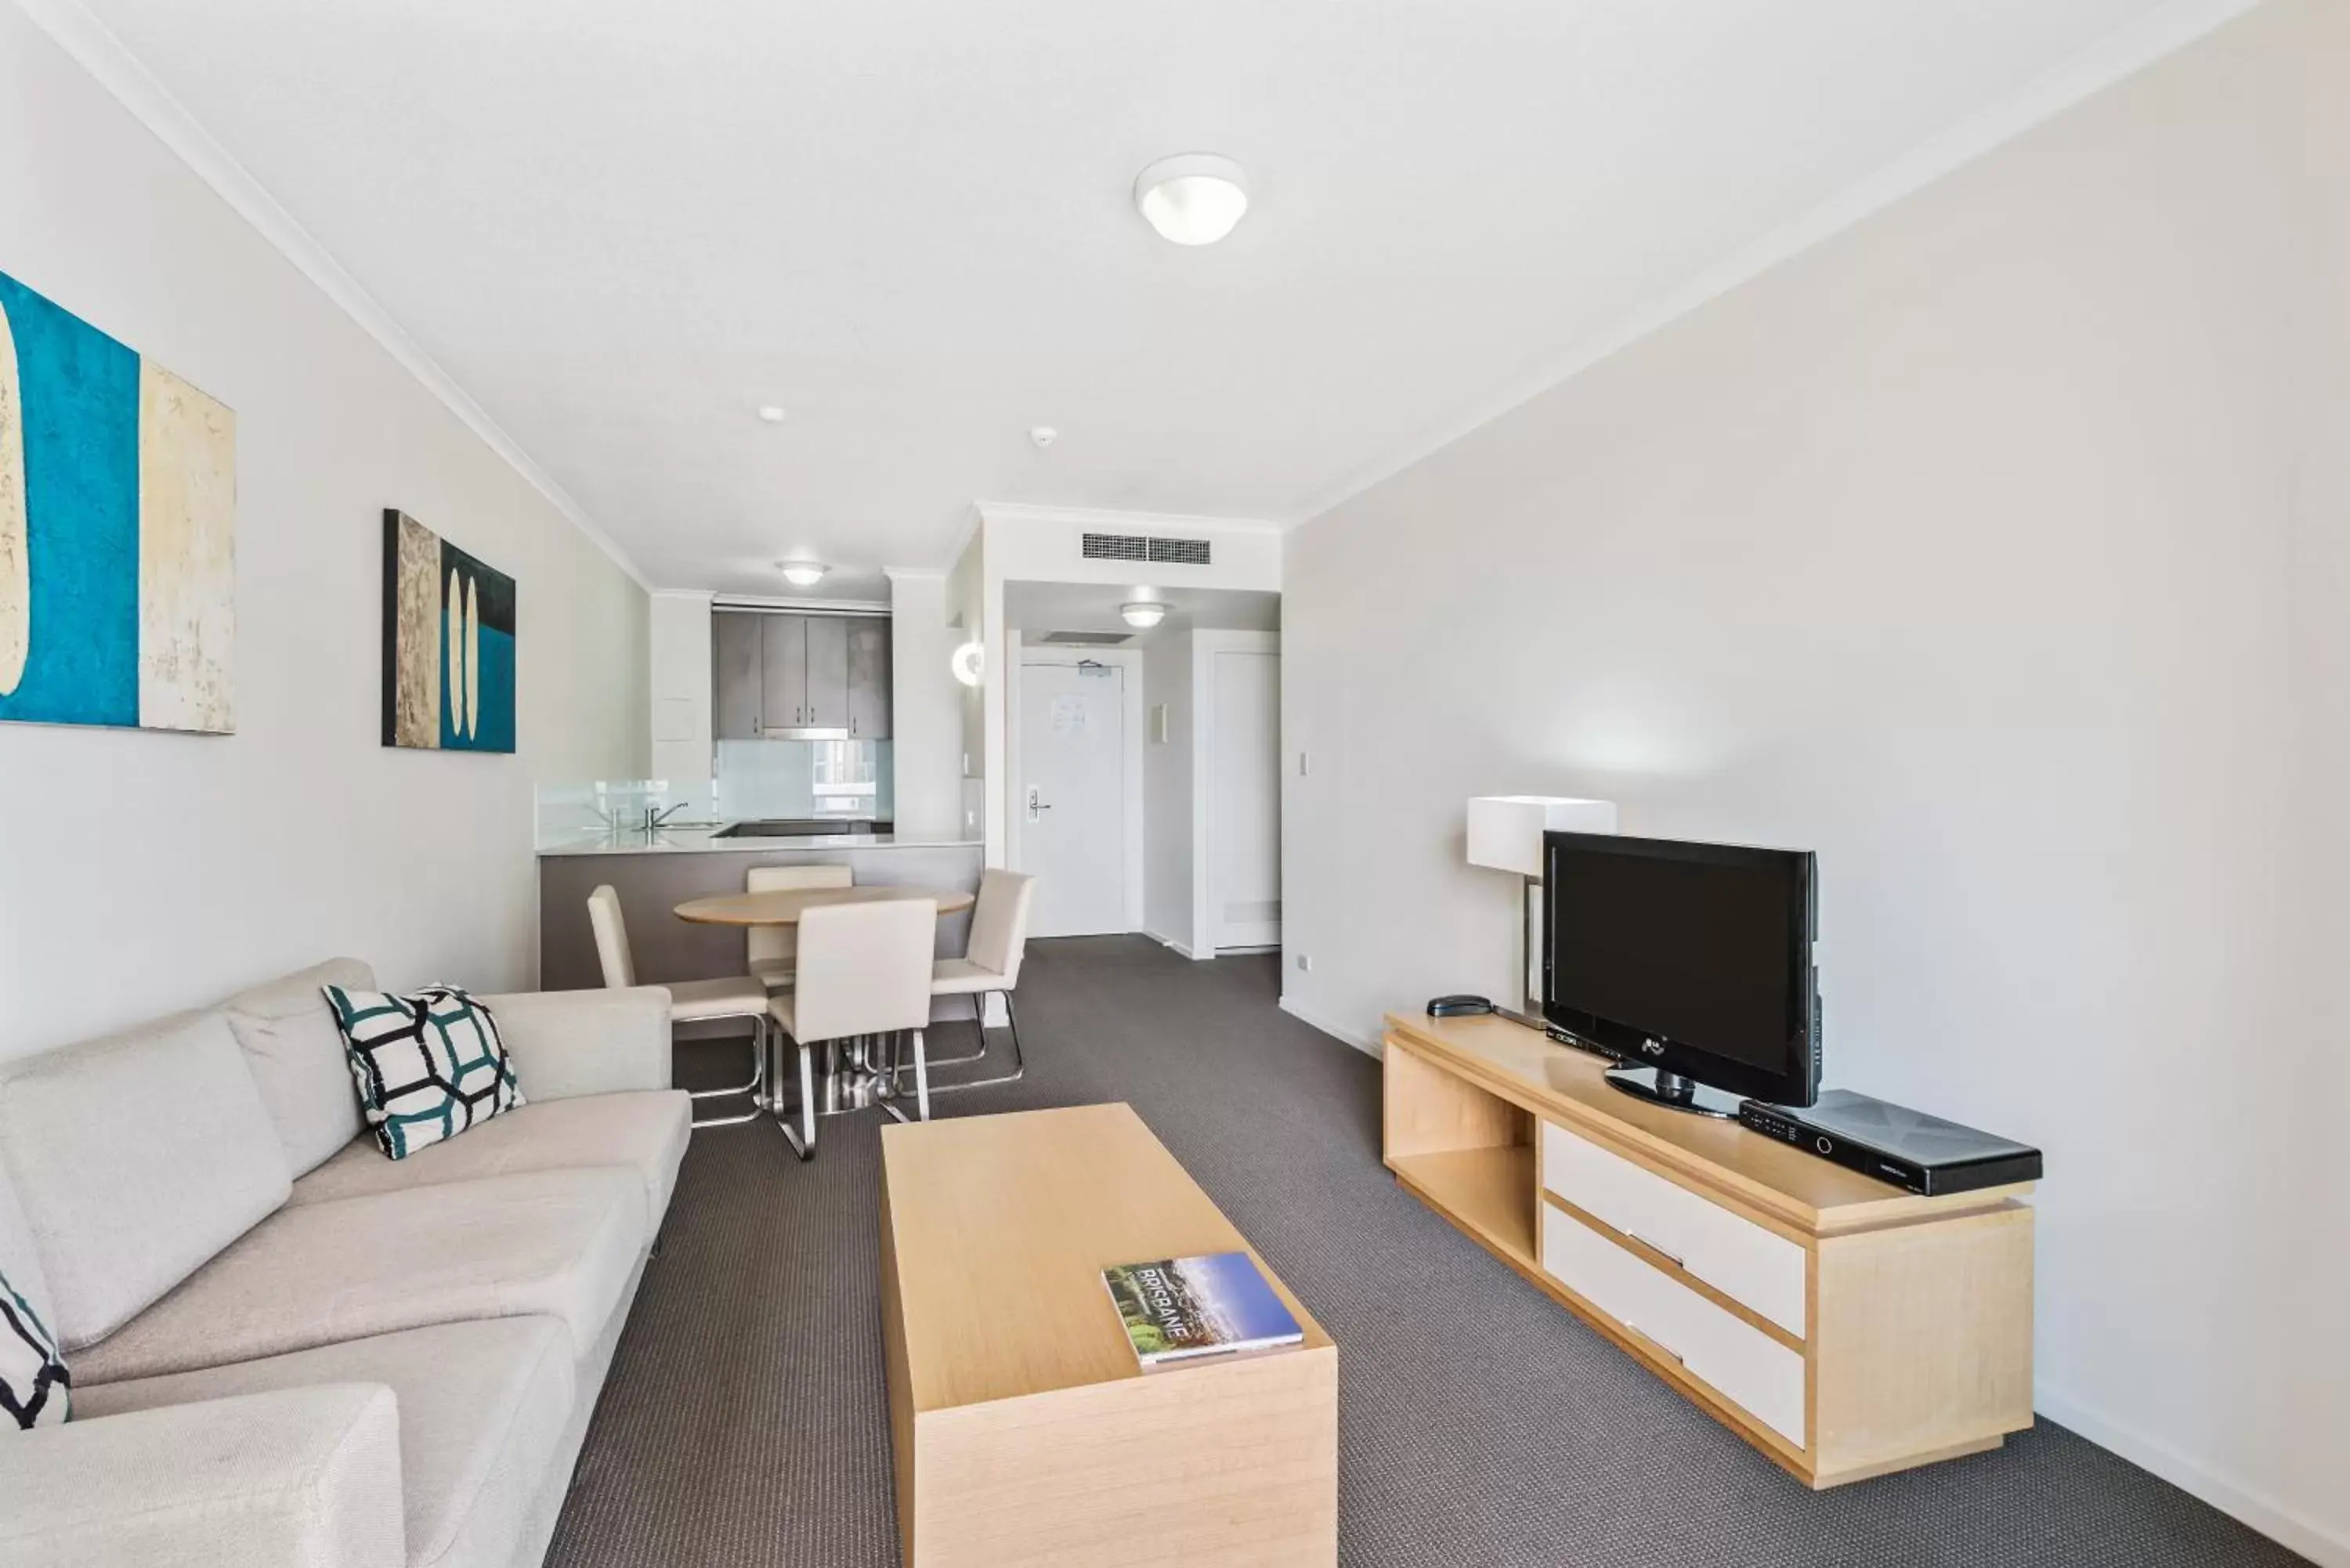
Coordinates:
1178	1310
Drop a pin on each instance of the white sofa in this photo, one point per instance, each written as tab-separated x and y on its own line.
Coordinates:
288	1349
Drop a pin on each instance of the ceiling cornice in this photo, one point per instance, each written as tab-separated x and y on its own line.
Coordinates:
2132	48
113	66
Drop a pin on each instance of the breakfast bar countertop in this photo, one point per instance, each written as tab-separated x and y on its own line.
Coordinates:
705	840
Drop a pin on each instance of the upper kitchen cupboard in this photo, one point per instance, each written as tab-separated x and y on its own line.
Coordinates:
788	676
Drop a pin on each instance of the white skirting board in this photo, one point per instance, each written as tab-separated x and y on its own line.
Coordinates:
2264	1514
1368	1045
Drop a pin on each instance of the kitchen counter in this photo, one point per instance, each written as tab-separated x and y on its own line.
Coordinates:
683	840
652	873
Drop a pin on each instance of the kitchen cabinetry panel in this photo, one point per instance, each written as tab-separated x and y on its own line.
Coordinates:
814	676
868	680
737	685
785	638
828	673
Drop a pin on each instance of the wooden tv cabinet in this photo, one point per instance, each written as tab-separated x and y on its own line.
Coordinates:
1844	1327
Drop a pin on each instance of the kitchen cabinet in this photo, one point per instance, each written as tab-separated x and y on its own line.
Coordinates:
810	677
868	679
827	672
736	681
784	665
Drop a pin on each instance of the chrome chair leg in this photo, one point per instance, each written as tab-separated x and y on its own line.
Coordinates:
755	1088
979	1019
922	1085
803	1140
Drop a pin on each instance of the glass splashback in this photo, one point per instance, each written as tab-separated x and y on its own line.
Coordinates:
760	780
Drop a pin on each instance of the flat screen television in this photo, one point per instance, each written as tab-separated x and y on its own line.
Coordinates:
1689	963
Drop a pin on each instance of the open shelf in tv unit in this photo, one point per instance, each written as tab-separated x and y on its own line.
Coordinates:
1843	1326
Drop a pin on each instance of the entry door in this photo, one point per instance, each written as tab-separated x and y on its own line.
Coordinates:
1244	809
1072	801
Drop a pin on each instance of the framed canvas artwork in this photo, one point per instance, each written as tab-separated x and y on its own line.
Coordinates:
118	532
448	644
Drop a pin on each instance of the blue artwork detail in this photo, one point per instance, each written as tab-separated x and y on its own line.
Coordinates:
494	727
78	392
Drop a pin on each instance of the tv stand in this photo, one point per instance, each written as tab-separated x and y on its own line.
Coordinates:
1843	1326
1659	1087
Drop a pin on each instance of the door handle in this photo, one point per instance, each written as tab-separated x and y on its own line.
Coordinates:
1036	807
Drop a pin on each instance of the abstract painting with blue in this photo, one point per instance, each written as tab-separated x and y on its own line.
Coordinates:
118	531
448	644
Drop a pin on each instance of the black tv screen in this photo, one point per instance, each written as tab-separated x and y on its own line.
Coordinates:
1695	959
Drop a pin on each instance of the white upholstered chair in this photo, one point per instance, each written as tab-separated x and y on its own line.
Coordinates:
991	966
864	969
772	950
690	1001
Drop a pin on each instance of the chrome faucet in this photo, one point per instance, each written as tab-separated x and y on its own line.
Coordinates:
656	818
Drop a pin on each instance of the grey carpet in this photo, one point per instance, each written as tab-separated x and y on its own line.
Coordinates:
745	1421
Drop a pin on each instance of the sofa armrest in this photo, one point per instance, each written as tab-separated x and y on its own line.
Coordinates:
302	1478
569	1042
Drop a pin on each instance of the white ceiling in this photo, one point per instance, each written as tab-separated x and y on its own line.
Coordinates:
1036	608
621	226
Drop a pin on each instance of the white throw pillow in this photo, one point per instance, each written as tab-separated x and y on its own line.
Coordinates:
429	1064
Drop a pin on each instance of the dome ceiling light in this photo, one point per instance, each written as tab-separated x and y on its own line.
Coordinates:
1143	614
1192	198
803	574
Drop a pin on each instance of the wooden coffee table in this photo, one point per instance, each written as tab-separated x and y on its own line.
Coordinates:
1022	1429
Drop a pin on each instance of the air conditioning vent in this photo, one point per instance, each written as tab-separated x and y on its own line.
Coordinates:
1180	552
1116	547
1087	638
1141	547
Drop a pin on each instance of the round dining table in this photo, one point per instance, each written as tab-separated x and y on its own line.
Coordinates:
851	1076
785	907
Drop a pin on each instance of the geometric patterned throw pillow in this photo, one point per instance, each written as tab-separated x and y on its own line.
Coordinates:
35	1388
429	1065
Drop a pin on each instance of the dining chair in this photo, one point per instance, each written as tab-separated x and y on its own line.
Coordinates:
864	969
690	1001
990	966
771	949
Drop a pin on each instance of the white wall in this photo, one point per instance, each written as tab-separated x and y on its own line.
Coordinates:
1999	549
682	749
926	704
1166	791
140	872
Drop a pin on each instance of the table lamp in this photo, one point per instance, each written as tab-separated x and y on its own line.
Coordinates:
1505	833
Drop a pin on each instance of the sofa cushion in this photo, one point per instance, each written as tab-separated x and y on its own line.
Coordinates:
562	1243
35	1387
289	1039
427	1065
483	1407
643	1130
136	1157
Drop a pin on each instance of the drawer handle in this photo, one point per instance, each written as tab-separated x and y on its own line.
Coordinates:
1657	1344
1672	1257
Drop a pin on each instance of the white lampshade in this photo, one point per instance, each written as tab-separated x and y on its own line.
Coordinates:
1505	831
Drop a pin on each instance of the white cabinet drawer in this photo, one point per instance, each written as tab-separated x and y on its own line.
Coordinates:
1737	1257
1737	1360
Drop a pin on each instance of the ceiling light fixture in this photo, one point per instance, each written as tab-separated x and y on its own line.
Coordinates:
1192	198
1043	436
771	413
969	663
1143	614
803	574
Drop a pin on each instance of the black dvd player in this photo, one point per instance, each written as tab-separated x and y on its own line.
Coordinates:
1912	1150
